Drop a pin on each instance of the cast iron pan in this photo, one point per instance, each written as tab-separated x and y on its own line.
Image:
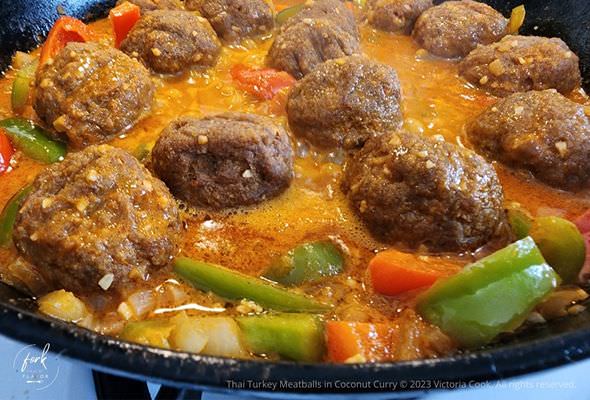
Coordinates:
23	24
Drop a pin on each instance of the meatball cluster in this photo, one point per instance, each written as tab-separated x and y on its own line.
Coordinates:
91	92
345	101
539	131
98	216
172	41
421	191
396	15
151	5
234	20
454	28
322	30
522	63
222	161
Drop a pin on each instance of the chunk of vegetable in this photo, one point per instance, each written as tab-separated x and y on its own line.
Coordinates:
263	83
393	272
235	286
358	341
63	305
491	296
223	337
516	19
520	221
307	262
22	85
187	335
561	244
123	18
298	337
154	332
32	140
288	12
66	29
6	153
8	215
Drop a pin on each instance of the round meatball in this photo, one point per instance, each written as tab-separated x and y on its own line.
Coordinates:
396	15
454	28
415	190
169	42
522	63
302	46
98	216
235	19
222	161
151	5
91	93
331	10
345	101
539	131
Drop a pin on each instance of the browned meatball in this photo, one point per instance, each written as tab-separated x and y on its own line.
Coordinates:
151	5
235	19
227	160
91	93
521	63
99	212
331	10
454	28
345	101
395	15
172	41
539	131
415	190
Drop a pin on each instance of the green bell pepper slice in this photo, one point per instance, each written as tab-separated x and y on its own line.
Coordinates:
22	85
490	296
8	215
288	12
298	337
33	141
520	221
233	285
308	262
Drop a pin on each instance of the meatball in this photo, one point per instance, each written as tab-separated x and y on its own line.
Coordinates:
454	28
331	10
235	19
151	5
539	131
97	215
415	190
522	63
92	92
345	101
299	48
222	161
396	15
169	42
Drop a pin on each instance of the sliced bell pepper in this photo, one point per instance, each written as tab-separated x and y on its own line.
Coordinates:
22	85
393	272
307	262
154	332
8	215
66	29
288	12
6	153
32	140
123	18
298	337
520	221
235	286
366	341
516	19
263	83
490	296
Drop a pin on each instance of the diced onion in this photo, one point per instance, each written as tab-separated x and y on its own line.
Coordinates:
63	305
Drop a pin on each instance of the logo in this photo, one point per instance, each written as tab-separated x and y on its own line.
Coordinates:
37	367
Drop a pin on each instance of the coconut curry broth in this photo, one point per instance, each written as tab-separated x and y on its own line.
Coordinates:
435	102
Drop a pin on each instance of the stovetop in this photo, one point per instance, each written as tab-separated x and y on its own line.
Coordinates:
32	373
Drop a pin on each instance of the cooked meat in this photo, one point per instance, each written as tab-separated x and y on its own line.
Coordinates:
521	63
172	41
454	28
151	5
415	190
235	19
98	212
539	131
321	31
92	92
395	15
227	160
345	101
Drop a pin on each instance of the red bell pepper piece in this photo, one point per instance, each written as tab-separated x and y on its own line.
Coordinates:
6	152
123	18
65	30
263	83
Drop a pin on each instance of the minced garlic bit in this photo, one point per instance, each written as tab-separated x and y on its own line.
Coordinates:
247	174
496	67
429	164
156	52
561	148
484	79
92	176
125	311
357	358
518	110
363	206
82	204
202	139
47	202
521	60
249	307
106	281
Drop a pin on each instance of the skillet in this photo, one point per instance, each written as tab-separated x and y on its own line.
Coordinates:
23	25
